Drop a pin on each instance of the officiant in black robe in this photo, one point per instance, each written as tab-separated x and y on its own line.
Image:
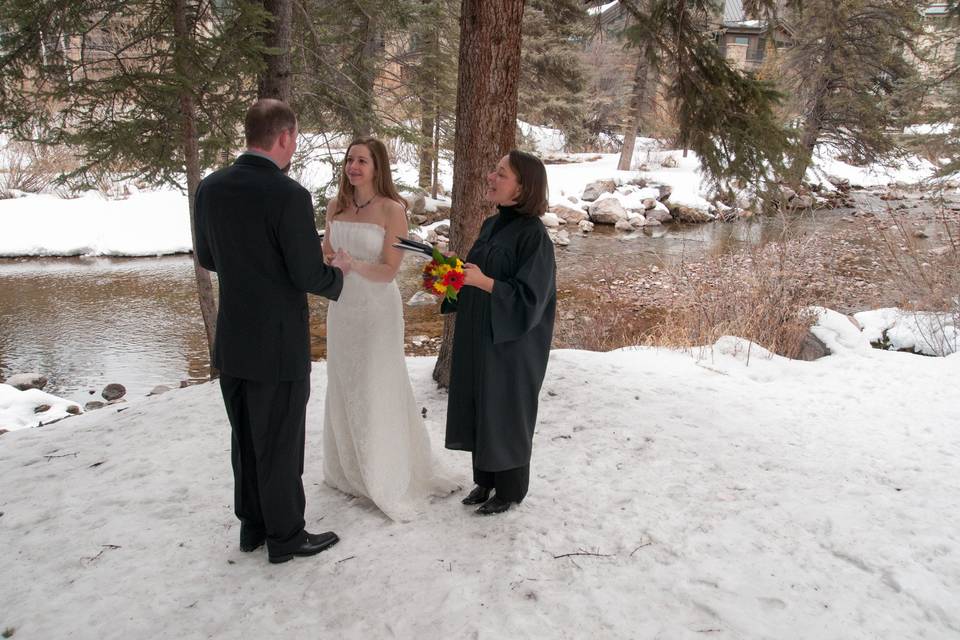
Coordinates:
503	329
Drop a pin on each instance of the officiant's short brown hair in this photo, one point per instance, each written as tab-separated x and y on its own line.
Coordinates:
265	120
532	176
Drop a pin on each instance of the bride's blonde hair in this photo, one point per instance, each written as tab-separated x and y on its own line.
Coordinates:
382	177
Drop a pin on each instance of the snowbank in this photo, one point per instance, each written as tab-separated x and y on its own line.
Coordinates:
671	496
18	408
144	224
909	170
934	334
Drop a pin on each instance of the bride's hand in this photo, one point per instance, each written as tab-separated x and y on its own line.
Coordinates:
343	261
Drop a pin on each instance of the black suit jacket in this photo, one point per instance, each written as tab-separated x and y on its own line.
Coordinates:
255	228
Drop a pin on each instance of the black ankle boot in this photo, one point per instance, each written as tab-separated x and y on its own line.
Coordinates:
479	495
494	505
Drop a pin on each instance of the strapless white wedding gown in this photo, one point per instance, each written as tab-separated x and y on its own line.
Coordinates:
375	444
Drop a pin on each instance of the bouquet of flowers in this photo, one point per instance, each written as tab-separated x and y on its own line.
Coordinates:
443	275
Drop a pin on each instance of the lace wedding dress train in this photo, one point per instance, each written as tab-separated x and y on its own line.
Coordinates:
375	443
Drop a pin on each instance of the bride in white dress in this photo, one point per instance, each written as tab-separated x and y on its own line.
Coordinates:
375	443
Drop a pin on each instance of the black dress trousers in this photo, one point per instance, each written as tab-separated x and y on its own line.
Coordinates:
511	484
268	420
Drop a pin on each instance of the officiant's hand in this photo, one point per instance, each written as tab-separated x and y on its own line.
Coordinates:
474	277
343	261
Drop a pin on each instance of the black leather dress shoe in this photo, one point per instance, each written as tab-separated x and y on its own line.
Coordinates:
479	495
494	505
312	545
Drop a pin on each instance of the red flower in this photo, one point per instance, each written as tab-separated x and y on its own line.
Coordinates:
453	279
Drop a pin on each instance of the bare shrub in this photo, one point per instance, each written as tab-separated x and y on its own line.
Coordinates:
924	267
32	168
760	294
598	318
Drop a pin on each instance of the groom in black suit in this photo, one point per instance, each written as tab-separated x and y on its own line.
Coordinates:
255	227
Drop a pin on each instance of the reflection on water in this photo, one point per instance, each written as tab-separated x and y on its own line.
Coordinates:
86	322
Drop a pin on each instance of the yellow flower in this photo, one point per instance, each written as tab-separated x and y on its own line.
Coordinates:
439	287
442	269
459	265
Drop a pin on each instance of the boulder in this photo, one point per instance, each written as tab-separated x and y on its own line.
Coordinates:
42	408
607	211
598	187
843	184
802	202
3	431
418	204
418	219
113	391
670	162
93	405
569	214
24	381
563	238
550	220
443	230
689	214
813	348
637	182
74	409
787	194
159	390
649	203
660	214
585	226
623	225
665	191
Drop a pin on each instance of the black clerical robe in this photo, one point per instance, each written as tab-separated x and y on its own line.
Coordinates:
501	343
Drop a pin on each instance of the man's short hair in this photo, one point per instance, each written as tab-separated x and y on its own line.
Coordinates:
265	120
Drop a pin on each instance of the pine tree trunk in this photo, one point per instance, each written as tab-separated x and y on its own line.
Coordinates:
191	154
275	80
487	83
363	71
436	153
809	135
635	120
426	143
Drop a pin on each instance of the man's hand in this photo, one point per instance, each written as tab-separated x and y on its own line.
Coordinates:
343	261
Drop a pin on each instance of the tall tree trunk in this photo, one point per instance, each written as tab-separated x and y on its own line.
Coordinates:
363	71
635	119
275	79
426	143
487	82
191	154
436	152
809	134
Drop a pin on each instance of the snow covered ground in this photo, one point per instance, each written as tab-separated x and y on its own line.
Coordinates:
720	494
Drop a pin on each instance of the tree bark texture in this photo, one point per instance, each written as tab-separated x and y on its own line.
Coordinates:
275	79
635	119
487	84
191	155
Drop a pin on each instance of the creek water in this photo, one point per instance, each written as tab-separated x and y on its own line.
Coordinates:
87	322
